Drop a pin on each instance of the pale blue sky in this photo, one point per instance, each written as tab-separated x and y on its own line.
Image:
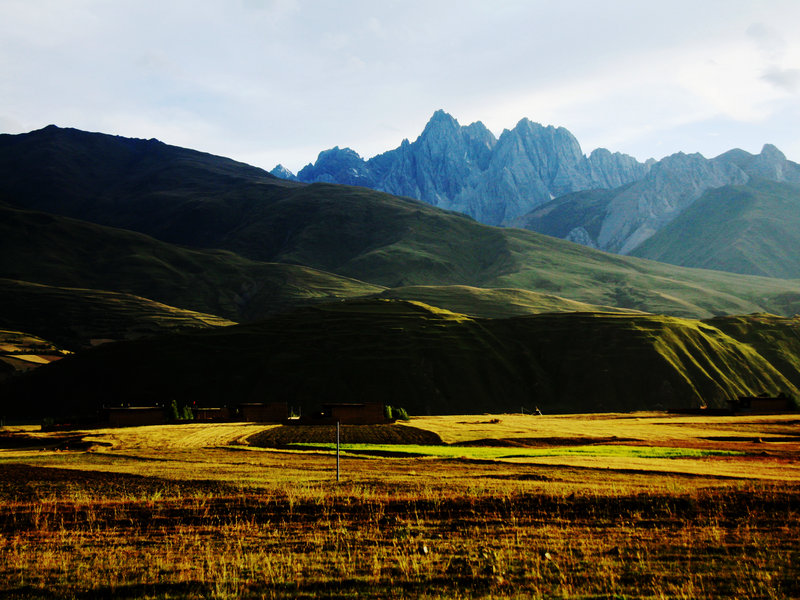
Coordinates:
269	81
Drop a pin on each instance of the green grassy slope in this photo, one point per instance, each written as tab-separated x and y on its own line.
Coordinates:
570	270
424	359
73	317
59	251
752	229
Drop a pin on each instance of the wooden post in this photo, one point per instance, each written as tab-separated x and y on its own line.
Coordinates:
337	450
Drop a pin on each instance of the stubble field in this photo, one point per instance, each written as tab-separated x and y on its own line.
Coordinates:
198	511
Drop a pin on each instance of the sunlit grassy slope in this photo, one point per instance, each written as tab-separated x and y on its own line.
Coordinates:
492	302
428	360
775	338
21	352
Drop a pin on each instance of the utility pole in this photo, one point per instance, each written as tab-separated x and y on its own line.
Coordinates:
337	451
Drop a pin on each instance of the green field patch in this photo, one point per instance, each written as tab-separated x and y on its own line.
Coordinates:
494	453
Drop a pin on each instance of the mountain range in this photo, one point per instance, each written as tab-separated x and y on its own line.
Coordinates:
537	178
468	169
134	240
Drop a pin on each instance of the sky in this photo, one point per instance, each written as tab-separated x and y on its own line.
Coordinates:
278	81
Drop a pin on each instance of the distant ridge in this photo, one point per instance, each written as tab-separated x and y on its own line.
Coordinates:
231	240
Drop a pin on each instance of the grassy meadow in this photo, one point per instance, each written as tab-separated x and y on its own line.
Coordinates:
641	505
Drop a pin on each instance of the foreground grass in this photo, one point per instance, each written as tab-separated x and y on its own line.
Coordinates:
169	512
350	541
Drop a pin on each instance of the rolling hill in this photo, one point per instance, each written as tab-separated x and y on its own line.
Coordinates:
59	251
363	236
427	360
75	318
493	303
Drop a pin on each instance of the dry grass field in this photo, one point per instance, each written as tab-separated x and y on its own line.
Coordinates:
578	506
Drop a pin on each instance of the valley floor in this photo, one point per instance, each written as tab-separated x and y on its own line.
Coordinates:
641	505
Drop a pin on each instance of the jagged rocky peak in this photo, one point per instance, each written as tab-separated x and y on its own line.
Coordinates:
672	184
772	164
336	153
478	131
282	172
771	152
440	121
443	137
555	137
611	170
337	165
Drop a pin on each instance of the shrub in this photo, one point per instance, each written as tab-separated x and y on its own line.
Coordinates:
172	411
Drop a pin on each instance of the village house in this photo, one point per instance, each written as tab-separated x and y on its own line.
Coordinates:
363	413
211	415
763	405
132	416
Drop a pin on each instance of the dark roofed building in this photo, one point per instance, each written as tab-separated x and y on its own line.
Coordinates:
133	416
207	415
763	405
264	412
363	413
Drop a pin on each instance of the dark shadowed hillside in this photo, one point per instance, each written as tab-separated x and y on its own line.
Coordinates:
424	359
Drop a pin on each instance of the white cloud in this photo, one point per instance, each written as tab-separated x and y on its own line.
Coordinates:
787	80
